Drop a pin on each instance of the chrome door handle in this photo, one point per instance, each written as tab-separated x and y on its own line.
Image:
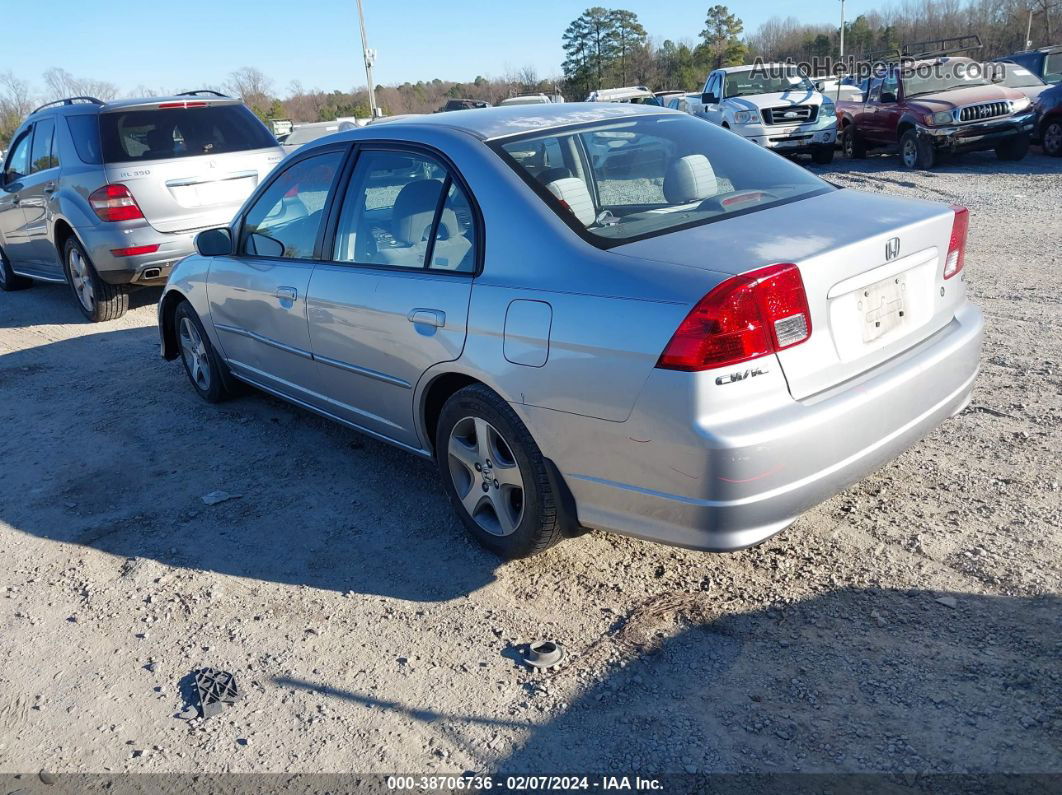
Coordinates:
287	294
428	317
50	188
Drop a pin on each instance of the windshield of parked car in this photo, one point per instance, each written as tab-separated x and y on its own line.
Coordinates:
1053	68
934	78
764	81
1016	76
617	181
161	134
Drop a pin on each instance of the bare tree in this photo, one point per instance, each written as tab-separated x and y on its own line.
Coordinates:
252	86
59	84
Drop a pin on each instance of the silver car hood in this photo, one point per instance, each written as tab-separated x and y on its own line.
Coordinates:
789	233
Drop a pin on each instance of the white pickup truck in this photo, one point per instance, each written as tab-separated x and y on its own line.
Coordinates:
774	105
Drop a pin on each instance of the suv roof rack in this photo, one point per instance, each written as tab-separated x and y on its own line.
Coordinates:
931	48
199	91
68	101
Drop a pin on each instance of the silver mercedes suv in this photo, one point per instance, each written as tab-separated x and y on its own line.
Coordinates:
107	196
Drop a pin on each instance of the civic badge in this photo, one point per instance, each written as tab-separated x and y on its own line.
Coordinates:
892	248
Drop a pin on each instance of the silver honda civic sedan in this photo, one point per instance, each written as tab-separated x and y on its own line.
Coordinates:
590	316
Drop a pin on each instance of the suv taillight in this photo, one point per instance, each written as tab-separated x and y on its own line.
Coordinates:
957	245
114	203
743	318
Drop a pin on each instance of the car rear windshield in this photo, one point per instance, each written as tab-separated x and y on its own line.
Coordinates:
618	181
161	134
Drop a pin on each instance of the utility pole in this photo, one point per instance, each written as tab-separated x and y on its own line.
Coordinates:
370	58
842	30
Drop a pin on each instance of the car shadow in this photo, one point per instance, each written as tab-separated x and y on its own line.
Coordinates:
55	304
106	445
854	680
980	163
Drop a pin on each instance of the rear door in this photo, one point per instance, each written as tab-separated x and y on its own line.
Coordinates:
37	195
258	296
189	164
393	300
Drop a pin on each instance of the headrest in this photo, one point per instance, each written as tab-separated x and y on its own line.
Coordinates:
414	210
573	193
689	179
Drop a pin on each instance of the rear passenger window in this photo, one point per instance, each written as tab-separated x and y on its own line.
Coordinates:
286	218
41	157
404	210
85	132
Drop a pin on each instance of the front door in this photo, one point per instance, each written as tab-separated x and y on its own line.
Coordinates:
393	300
12	218
258	296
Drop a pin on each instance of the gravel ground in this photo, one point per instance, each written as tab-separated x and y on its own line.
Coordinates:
912	623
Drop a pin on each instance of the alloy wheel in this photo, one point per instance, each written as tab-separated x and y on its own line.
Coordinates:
81	279
1053	137
486	476
910	153
194	353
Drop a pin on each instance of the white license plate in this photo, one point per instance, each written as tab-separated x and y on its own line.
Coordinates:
883	307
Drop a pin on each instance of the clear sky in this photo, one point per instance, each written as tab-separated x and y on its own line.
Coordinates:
189	43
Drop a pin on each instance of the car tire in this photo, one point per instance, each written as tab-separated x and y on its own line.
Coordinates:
852	144
9	280
514	513
822	155
1051	137
98	300
204	368
916	152
1013	149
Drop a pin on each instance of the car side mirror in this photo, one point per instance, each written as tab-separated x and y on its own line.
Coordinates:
214	242
887	96
709	99
264	246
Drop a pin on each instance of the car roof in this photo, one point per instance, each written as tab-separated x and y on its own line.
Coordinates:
506	120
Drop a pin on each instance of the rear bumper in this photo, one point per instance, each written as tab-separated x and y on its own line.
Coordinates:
723	486
981	135
143	269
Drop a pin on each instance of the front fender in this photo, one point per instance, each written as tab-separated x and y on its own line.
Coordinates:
187	282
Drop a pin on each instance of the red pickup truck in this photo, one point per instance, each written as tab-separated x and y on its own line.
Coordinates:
929	109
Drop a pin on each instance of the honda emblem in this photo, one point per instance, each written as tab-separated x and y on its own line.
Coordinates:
892	248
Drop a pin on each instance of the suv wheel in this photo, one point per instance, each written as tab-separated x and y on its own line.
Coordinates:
98	300
853	146
916	152
1013	148
1051	137
201	362
9	280
495	474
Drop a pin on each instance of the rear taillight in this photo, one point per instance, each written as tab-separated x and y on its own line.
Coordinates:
957	245
169	105
743	318
114	203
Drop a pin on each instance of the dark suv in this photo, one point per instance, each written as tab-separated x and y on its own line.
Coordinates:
107	196
1045	63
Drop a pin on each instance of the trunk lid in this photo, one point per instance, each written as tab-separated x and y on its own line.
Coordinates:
856	289
190	163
